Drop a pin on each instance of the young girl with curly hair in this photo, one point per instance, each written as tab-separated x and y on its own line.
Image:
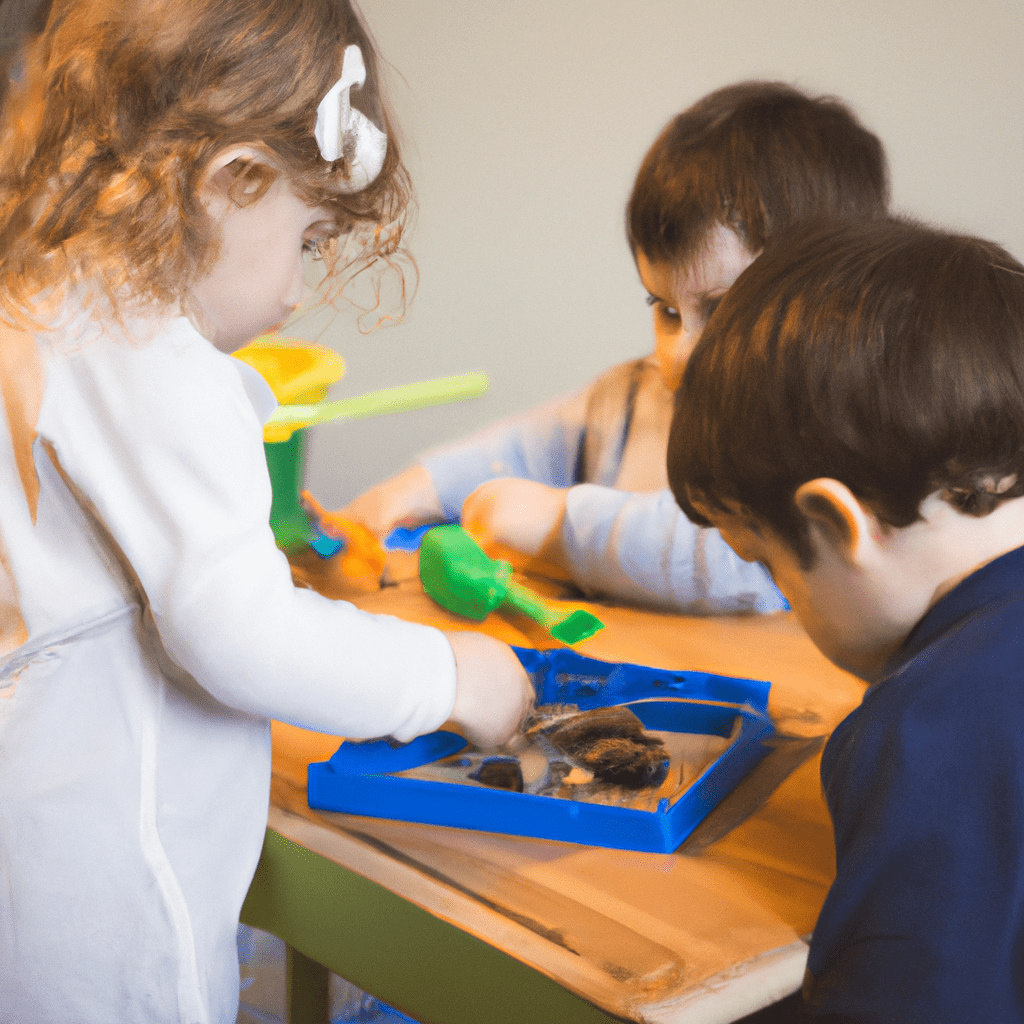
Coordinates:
164	166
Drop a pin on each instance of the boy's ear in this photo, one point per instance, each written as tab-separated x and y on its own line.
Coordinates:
838	518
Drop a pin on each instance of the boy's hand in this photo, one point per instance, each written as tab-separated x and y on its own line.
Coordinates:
407	499
493	692
512	516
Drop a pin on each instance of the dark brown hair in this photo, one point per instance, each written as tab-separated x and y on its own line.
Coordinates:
120	107
886	355
757	157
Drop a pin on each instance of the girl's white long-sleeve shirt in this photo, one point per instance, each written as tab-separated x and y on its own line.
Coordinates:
149	630
623	535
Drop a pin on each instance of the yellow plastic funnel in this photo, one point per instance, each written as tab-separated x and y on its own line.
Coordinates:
298	373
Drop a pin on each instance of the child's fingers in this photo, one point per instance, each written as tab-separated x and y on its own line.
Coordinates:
406	499
523	515
493	692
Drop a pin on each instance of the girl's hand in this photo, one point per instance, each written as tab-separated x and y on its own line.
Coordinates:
407	499
493	692
512	518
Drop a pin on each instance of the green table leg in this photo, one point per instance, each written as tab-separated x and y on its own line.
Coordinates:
419	964
308	990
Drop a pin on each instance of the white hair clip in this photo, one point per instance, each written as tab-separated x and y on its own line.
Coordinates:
341	129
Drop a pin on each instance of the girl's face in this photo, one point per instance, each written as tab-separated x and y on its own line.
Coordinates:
683	301
258	277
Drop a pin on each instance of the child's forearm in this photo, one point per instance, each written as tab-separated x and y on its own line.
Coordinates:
542	444
519	521
407	499
640	548
492	693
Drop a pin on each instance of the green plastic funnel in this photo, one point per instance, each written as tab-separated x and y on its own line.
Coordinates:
457	573
286	462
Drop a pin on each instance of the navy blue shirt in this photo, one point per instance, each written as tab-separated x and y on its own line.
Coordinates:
925	785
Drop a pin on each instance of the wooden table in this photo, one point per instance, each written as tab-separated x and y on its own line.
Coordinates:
461	927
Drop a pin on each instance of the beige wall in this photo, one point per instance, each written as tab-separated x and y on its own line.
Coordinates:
524	122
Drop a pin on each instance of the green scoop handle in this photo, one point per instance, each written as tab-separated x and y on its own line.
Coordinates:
457	573
402	398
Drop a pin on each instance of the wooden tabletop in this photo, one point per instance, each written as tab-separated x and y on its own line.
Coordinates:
708	933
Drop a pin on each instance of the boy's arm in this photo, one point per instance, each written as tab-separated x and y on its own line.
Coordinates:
925	919
407	499
632	547
542	444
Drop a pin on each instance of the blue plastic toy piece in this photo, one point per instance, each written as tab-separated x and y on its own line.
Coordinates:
324	546
360	779
403	539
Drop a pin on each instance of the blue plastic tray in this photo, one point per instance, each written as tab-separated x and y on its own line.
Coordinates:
359	778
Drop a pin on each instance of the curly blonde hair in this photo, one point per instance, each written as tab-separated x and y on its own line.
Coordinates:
120	109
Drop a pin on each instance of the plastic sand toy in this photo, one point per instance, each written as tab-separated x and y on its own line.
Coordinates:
457	573
362	556
300	375
698	736
296	373
401	398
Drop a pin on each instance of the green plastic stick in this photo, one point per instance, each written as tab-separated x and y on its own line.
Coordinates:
377	403
457	573
526	601
576	626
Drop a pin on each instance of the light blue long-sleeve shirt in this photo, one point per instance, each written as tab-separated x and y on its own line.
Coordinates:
631	546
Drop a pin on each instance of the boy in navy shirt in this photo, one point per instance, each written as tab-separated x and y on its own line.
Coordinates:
853	418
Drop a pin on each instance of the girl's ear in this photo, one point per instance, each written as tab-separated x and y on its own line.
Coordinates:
837	518
215	187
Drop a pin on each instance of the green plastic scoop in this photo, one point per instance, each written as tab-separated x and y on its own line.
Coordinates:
286	418
459	576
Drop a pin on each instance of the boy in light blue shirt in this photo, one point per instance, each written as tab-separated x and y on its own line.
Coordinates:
580	482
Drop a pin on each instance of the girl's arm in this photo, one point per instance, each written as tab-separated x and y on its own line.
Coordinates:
162	444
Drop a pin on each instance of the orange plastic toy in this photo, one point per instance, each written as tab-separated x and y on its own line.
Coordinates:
362	556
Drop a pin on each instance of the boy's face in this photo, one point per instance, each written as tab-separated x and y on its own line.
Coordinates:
683	301
854	611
